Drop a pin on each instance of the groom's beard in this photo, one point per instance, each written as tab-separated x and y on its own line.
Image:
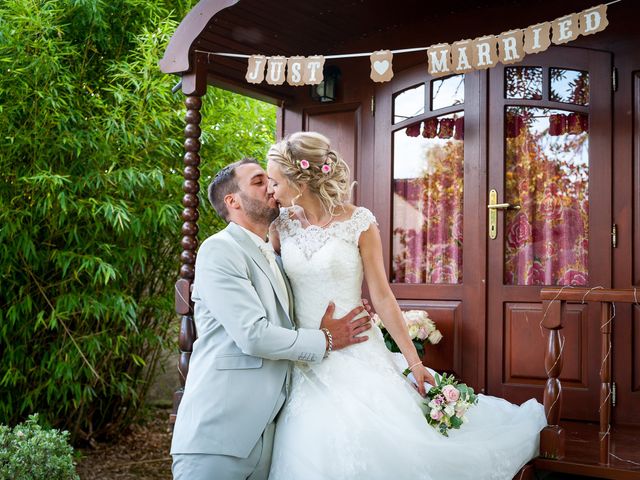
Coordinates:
259	212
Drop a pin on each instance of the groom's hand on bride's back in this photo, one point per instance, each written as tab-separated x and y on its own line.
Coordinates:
345	330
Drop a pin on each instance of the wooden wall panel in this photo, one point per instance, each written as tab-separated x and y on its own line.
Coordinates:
342	126
525	344
447	315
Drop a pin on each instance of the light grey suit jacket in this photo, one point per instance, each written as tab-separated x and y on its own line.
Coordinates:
241	357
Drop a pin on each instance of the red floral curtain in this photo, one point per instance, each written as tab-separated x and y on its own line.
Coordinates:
427	216
546	167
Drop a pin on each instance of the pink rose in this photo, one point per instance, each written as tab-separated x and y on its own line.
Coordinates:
436	415
422	333
326	168
304	164
451	393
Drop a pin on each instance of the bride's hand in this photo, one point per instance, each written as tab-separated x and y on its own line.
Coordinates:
422	375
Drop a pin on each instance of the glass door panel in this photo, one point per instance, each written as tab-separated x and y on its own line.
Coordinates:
547	177
428	169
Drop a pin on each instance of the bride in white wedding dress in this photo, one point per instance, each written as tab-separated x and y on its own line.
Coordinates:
354	415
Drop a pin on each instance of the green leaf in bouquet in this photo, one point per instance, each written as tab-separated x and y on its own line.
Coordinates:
456	422
391	345
419	347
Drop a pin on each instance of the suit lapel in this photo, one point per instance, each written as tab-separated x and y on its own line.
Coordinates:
260	260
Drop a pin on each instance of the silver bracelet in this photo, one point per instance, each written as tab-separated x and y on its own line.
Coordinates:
327	334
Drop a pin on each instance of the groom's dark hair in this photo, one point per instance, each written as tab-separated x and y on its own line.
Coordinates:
224	183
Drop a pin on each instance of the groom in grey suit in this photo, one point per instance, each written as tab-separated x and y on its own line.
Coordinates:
239	368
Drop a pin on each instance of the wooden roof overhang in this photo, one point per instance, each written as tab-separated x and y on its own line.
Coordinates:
293	27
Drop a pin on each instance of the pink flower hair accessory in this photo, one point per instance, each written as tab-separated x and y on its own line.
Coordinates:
326	168
304	164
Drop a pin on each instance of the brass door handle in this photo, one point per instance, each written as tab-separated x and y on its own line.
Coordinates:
493	207
503	206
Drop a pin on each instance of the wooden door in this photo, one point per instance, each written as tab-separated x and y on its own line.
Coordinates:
341	124
550	169
428	182
626	324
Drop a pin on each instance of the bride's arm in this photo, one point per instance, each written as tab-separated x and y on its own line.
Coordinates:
385	302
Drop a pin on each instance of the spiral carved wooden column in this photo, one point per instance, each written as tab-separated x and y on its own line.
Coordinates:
189	241
552	436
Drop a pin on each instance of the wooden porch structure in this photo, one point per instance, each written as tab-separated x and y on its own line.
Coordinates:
492	329
598	450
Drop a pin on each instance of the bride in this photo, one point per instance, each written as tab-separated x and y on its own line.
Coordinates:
354	415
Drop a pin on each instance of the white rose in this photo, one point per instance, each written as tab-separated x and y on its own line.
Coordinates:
449	410
422	334
413	330
429	326
377	320
435	337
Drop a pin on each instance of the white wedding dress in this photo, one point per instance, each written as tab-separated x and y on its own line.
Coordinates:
355	416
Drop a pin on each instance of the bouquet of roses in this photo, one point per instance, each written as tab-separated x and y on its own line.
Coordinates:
447	403
421	329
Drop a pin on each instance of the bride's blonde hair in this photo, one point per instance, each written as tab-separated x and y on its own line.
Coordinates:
307	158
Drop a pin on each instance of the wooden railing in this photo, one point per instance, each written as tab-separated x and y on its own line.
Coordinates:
552	439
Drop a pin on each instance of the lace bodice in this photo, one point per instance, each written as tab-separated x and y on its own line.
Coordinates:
356	408
323	264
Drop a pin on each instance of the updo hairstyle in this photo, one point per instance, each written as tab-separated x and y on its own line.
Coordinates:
306	158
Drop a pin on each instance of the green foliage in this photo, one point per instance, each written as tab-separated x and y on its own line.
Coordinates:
30	452
90	189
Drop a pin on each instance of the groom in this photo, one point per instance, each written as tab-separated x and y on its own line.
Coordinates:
239	368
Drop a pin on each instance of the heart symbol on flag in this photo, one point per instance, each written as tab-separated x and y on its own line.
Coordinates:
381	66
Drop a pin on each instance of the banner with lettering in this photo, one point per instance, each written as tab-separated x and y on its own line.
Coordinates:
442	58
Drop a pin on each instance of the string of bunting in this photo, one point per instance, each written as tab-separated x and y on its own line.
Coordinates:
443	58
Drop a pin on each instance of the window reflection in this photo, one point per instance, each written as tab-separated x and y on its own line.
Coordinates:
409	103
446	92
427	201
569	86
547	174
523	82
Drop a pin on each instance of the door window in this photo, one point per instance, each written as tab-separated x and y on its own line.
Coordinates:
547	177
428	168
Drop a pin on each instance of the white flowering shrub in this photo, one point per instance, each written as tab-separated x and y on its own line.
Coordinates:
31	452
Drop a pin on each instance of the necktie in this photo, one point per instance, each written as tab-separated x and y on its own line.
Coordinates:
270	254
